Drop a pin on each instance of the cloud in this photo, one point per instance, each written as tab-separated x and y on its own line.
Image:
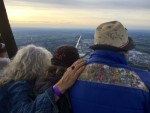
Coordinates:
85	13
91	4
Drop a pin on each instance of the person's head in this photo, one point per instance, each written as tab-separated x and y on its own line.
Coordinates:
112	36
65	56
29	63
2	50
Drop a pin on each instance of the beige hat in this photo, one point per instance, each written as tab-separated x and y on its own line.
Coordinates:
113	36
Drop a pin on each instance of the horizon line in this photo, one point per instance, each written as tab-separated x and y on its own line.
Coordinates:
84	28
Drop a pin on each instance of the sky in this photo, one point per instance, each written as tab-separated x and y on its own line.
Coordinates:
134	14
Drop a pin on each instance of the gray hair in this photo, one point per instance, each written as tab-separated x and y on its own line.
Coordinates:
29	63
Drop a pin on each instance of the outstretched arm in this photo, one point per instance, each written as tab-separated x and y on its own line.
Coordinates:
22	102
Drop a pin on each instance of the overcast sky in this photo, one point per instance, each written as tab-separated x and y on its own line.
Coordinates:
78	13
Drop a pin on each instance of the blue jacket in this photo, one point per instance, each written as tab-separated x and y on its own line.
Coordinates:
16	97
108	85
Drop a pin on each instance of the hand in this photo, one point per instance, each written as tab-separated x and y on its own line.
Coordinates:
70	76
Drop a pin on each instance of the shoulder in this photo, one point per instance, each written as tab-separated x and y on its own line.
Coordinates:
145	72
20	83
140	72
19	86
118	76
144	75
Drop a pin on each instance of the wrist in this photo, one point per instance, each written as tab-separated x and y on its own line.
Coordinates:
60	88
57	91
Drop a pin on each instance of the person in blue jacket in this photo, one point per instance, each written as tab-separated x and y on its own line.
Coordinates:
108	84
18	81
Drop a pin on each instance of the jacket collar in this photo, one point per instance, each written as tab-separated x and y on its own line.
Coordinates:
107	57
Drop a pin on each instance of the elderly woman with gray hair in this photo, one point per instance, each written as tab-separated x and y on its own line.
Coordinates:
18	80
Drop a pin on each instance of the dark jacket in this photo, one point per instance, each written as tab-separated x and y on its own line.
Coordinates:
17	97
42	84
108	85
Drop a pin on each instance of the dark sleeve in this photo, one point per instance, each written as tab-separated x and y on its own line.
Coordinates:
149	106
23	103
145	76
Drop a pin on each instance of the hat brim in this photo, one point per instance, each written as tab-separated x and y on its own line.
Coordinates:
128	47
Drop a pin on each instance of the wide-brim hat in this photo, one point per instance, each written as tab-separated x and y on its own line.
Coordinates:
112	36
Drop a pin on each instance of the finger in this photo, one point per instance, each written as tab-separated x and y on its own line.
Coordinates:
76	66
78	72
79	65
78	61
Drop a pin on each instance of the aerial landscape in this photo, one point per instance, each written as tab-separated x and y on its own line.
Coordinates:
51	23
52	38
75	56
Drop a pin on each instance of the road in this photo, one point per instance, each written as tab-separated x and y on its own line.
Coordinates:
78	41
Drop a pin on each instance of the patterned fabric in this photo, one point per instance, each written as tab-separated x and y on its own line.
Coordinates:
111	75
